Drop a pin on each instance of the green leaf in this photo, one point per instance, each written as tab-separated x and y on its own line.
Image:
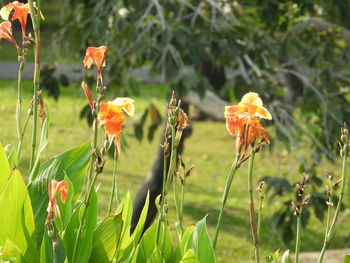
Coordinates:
125	209
347	259
10	253
181	249
72	164
84	244
46	252
178	190
105	239
201	243
136	235
189	257
286	258
12	156
5	169
148	241
156	256
44	139
17	219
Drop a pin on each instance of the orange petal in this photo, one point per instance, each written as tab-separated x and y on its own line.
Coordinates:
114	127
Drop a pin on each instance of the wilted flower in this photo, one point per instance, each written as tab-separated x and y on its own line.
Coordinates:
87	93
244	120
20	12
96	56
6	33
53	189
112	115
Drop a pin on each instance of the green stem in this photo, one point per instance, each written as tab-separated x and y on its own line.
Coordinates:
162	197
19	104
35	16
331	228
230	177
91	188
54	252
252	218
297	243
259	216
114	183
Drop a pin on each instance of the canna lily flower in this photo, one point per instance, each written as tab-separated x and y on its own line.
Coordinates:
112	115
96	56
6	33
53	189
20	12
244	120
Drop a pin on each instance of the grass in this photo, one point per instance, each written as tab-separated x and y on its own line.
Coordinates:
210	148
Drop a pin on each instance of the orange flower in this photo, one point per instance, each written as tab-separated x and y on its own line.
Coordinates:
244	120
20	12
97	57
53	189
6	33
112	115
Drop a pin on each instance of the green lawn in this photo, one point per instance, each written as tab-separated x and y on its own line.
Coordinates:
210	149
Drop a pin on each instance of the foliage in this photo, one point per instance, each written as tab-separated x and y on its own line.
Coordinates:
294	53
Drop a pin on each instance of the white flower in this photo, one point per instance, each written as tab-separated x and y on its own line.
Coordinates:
123	12
227	9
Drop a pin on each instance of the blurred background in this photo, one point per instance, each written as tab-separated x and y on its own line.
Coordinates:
295	54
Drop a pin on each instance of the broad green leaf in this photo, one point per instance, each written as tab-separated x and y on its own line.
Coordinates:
17	219
10	253
347	259
46	250
105	239
148	241
181	248
156	256
5	169
84	244
72	164
201	243
286	258
189	257
136	235
125	209
46	253
12	156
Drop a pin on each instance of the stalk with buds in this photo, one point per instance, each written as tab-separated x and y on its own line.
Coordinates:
303	201
331	224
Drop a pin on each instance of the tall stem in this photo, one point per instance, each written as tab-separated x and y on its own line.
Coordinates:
297	243
35	16
90	189
114	183
90	174
331	229
259	216
252	220
19	103
224	197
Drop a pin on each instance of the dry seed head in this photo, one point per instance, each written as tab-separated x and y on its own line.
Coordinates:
260	186
337	183
306	200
